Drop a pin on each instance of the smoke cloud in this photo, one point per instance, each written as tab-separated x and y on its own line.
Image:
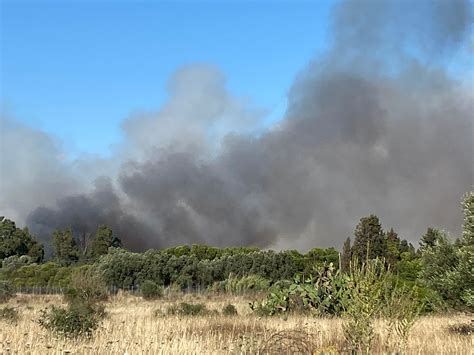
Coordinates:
378	124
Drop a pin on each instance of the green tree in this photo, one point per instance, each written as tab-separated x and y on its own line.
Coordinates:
16	241
369	239
466	252
439	264
346	256
103	240
428	240
65	247
393	247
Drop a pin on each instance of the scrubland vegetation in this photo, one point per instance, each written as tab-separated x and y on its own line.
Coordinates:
135	327
380	295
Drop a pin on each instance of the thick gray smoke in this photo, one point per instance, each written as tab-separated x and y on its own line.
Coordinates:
376	125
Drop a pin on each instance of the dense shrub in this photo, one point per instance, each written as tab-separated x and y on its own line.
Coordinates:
49	274
188	309
229	310
79	319
374	292
322	294
6	291
151	290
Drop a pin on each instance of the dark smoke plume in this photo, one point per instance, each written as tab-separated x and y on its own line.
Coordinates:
376	125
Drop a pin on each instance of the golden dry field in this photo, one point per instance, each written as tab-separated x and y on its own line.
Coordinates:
135	326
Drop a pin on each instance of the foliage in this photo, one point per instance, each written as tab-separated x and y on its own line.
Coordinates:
447	267
323	294
16	241
393	247
87	286
368	282
49	274
369	239
188	309
429	239
346	255
15	261
83	313
374	292
9	314
103	240
79	319
124	269
401	308
465	274
6	291
318	257
439	270
229	310
65	248
151	290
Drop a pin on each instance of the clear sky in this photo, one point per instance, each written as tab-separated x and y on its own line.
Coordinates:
77	69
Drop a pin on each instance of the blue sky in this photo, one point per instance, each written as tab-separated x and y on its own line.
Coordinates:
77	70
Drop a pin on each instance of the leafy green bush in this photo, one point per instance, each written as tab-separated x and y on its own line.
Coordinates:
188	309
229	310
79	319
151	290
323	294
6	291
9	314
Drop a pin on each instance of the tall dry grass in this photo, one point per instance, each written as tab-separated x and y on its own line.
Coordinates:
132	327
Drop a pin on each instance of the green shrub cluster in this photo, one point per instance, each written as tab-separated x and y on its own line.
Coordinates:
229	310
83	313
151	290
6	291
79	319
49	274
322	294
188	309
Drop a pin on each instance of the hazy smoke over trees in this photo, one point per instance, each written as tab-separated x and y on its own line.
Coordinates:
378	124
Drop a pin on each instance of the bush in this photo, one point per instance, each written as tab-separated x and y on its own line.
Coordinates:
188	309
151	290
87	286
323	294
9	314
368	284
229	310
6	291
83	313
79	319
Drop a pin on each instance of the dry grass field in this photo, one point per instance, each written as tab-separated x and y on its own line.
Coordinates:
134	326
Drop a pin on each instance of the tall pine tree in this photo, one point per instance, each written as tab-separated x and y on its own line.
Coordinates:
103	239
369	239
65	247
393	247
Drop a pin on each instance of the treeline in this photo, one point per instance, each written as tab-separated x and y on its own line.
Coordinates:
439	264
